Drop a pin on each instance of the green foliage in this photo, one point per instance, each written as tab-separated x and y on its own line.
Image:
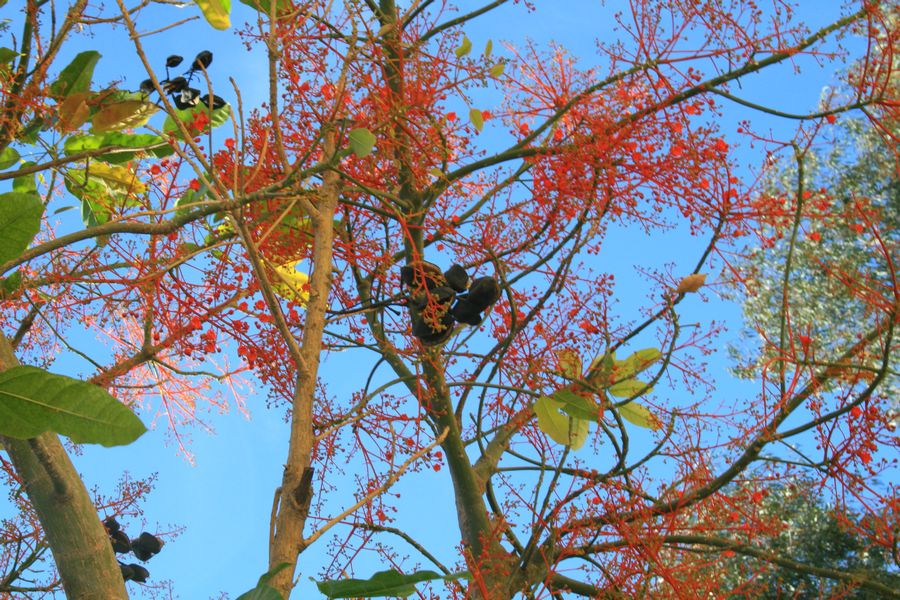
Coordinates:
197	120
263	591
477	119
124	146
33	401
464	48
8	157
20	221
382	584
264	6
76	77
814	536
562	428
362	141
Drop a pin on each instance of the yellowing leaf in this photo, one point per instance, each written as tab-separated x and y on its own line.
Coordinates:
569	363
634	364
497	70
488	48
216	12
639	415
125	114
561	428
73	112
691	283
291	284
118	179
464	48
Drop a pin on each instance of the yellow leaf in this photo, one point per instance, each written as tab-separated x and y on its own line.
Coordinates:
117	178
216	12
561	428
73	112
291	284
691	283
569	363
125	114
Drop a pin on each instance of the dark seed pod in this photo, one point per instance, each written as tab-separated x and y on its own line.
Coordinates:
173	61
216	103
202	61
127	572
430	335
457	278
483	293
146	546
174	86
120	542
111	525
140	574
188	98
466	312
147	86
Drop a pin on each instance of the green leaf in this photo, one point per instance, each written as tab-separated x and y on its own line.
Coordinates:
382	584
497	69
636	362
7	55
124	114
488	47
577	406
8	158
33	401
216	12
464	48
189	116
101	188
361	141
263	6
629	388
261	592
639	415
20	220
561	428
9	285
126	145
477	119
76	77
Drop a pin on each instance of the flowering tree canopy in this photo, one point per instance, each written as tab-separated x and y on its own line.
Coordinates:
458	247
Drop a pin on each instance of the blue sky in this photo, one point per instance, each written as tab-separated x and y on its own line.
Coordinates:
223	500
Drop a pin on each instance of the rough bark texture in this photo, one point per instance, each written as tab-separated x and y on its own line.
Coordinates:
84	557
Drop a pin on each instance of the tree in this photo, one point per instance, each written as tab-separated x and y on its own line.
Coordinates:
330	219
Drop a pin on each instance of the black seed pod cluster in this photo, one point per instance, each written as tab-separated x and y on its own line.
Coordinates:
144	547
179	88
437	301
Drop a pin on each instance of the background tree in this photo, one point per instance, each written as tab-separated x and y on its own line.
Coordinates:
361	170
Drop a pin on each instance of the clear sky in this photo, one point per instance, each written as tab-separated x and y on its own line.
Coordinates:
224	499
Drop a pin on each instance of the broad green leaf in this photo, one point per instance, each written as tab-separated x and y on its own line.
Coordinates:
601	370
20	220
198	115
635	363
8	158
261	592
497	69
124	114
477	119
33	401
569	364
639	415
264	6
30	133
126	145
291	284
382	584
25	184
577	406
9	285
361	141
464	48
76	77
488	47
7	55
629	388
216	12
561	428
